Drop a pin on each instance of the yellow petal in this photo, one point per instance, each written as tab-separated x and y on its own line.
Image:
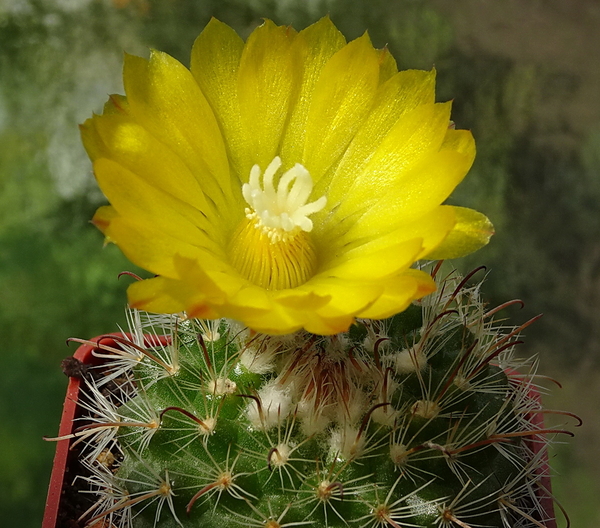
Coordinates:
328	325
301	300
401	94
102	219
378	263
236	298
268	78
215	61
342	97
135	198
460	141
104	216
422	189
208	279
93	143
472	231
152	249
163	295
159	295
430	230
387	65
414	136
165	99
116	104
131	146
314	45
202	294
275	320
399	293
250	296
347	297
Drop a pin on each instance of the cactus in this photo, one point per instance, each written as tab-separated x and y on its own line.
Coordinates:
416	421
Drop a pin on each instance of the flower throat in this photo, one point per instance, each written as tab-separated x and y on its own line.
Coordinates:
272	247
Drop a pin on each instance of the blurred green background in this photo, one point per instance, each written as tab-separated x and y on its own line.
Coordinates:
525	78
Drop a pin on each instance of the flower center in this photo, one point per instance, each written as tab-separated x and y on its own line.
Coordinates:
272	247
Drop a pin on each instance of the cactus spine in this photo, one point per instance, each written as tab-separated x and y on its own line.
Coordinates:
413	421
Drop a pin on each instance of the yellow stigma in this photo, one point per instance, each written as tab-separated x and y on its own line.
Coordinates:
271	246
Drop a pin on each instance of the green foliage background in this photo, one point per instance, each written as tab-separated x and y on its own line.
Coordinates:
528	98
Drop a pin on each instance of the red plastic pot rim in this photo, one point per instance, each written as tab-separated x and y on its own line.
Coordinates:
85	354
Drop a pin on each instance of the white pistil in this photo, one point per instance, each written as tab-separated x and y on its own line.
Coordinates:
283	211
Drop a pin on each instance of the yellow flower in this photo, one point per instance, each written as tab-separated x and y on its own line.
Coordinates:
288	182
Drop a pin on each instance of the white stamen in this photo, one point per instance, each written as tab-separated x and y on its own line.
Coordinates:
282	211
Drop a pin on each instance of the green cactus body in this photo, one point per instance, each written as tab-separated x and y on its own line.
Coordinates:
400	423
